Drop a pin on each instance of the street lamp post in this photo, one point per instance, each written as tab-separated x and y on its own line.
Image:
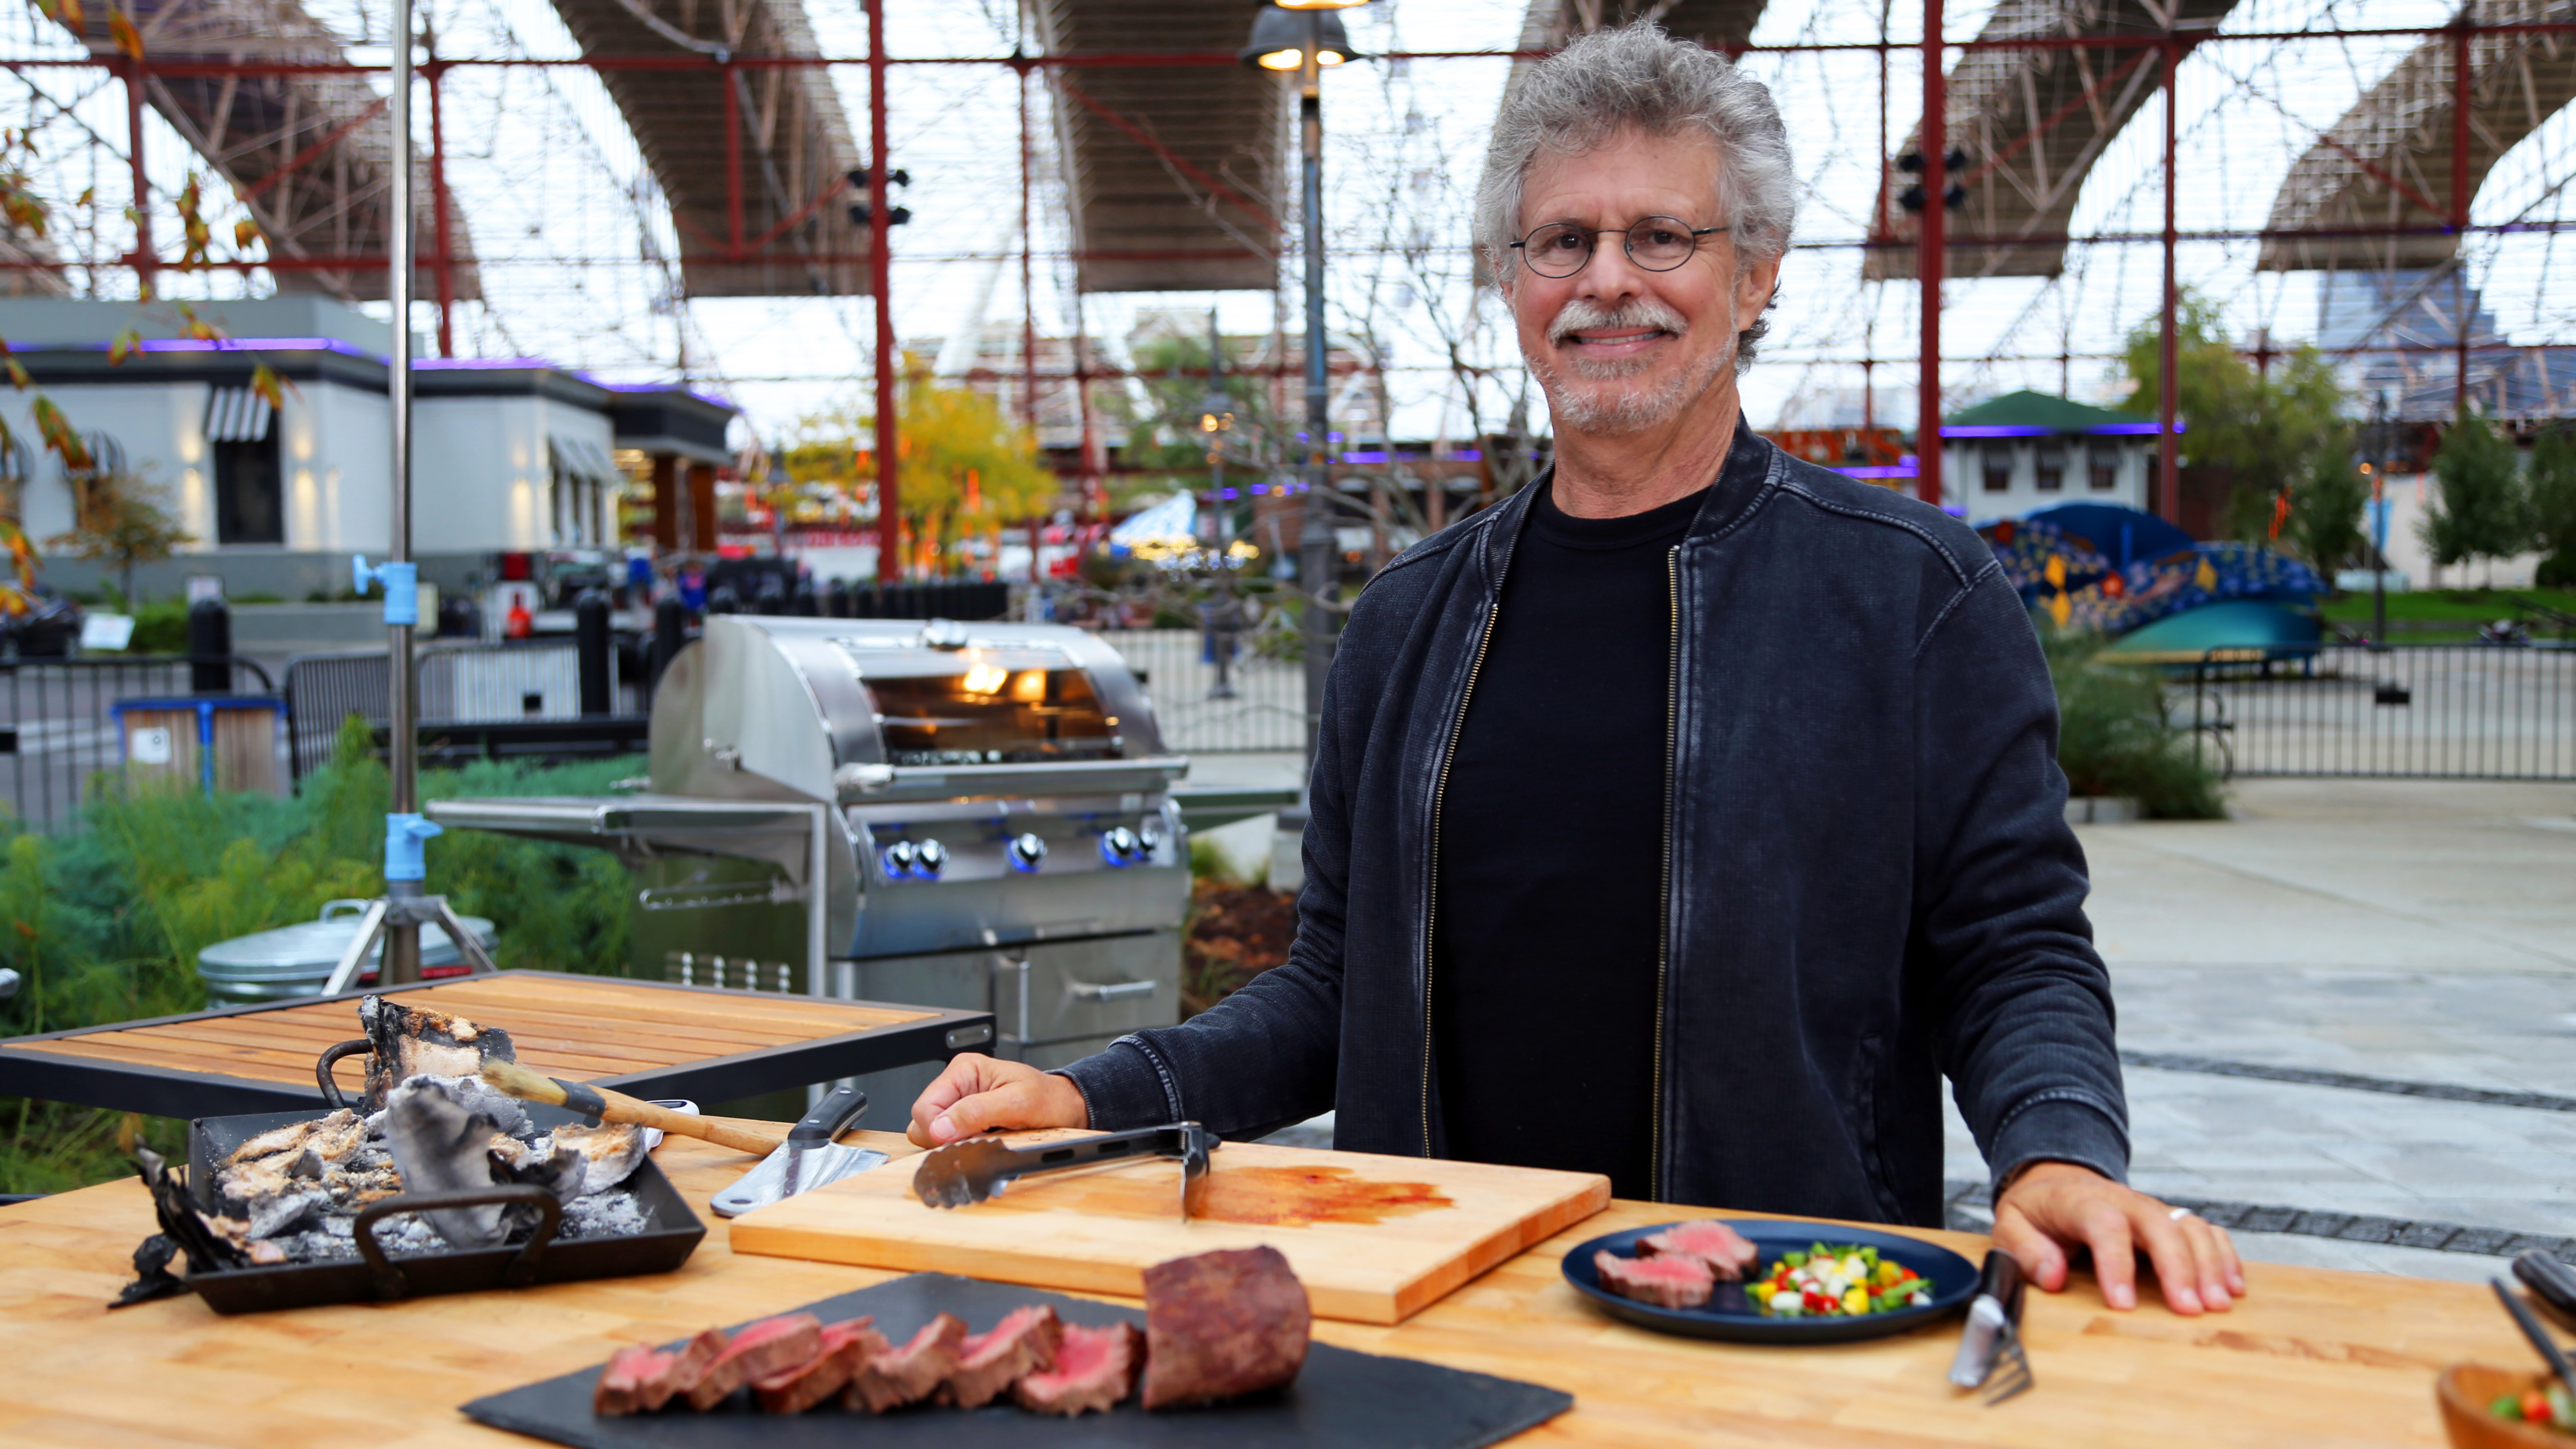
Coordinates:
1225	620
1307	43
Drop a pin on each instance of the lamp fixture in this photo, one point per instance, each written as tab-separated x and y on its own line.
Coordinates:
1280	34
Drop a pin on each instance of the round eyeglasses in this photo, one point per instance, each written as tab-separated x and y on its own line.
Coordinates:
1658	244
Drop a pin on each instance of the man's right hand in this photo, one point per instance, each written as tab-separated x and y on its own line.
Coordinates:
978	1093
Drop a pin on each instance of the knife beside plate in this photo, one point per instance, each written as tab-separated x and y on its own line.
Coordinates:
1992	1339
807	1160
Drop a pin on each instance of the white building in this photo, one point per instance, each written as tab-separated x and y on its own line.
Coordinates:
514	455
2024	451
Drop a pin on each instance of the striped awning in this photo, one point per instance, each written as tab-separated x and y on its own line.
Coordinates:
237	415
578	457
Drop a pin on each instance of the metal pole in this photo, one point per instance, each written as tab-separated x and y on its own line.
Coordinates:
2460	214
1315	543
2168	502
402	933
444	264
880	284
1936	186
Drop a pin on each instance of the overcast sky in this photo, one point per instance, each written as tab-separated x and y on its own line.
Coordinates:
565	218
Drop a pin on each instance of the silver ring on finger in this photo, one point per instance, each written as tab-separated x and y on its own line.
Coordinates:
2178	1214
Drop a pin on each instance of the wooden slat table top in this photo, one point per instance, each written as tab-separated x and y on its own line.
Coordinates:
2314	1357
576	1027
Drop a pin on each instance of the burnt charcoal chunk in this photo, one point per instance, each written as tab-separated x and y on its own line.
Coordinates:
1721	1249
1095	1369
845	1349
770	1346
906	1375
1670	1281
409	1041
990	1362
1222	1324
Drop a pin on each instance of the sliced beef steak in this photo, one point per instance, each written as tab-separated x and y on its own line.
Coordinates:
1719	1248
773	1345
990	1362
643	1378
1095	1368
899	1376
844	1350
1670	1281
1221	1324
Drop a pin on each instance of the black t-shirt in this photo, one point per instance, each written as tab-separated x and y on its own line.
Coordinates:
1551	855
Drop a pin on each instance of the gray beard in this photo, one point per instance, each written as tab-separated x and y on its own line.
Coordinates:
1621	411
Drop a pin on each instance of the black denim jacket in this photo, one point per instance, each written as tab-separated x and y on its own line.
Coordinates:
1870	881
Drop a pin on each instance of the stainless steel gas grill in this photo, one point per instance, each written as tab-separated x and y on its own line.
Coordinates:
986	807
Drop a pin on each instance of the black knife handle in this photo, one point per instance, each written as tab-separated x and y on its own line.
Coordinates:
2550	1281
2001	1279
830	1118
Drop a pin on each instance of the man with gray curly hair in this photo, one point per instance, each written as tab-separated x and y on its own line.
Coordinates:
1689	815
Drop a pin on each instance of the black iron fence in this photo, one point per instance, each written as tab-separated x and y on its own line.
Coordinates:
2462	712
1254	703
67	726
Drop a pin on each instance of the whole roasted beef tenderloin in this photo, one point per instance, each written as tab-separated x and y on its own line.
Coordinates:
844	1350
1670	1281
990	1362
1095	1369
1726	1253
1222	1324
895	1377
773	1345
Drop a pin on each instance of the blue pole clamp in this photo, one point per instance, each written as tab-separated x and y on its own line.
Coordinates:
402	587
403	837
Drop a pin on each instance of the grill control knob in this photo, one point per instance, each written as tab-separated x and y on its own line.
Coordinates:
1119	846
1150	836
1027	852
898	859
928	859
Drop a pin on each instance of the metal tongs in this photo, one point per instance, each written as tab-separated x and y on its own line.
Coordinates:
1992	1339
981	1167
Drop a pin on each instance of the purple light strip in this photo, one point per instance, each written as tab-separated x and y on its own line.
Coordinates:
2018	430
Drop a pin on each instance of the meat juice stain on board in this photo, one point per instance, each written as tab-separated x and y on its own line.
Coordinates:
1253	1196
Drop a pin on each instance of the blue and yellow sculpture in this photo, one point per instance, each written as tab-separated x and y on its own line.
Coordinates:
2118	571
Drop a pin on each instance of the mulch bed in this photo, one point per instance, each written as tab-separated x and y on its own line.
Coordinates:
1236	932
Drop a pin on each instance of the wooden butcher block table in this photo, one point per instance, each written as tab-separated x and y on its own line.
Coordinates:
2314	1357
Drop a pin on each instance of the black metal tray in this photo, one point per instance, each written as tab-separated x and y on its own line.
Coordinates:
671	1234
1355	1400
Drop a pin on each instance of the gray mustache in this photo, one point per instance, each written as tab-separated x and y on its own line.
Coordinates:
1581	316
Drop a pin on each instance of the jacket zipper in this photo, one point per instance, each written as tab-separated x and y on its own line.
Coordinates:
1664	919
1440	793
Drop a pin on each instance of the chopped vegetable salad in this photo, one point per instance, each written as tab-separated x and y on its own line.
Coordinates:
2554	1407
1825	1282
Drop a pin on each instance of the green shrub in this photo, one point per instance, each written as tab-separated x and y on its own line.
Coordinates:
104	924
2113	736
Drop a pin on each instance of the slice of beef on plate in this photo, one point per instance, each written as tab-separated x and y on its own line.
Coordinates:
845	1349
1095	1368
759	1350
1221	1324
990	1362
1671	1281
641	1378
895	1377
1726	1252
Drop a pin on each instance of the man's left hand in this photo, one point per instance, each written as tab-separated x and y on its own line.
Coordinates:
2054	1206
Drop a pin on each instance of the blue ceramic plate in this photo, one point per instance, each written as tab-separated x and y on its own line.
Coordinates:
1729	1314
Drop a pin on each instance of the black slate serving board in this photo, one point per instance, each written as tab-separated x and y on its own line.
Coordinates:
1342	1398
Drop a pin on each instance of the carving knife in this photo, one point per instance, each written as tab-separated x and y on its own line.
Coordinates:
981	1167
808	1159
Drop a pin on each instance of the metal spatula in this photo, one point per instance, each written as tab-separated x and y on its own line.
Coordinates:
809	1159
980	1167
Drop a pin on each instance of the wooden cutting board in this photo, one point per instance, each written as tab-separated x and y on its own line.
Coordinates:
1375	1239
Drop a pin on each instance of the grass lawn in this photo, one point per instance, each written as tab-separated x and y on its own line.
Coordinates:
2462	610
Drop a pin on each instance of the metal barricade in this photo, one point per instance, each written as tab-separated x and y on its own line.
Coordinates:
464	683
59	733
1264	710
2460	712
